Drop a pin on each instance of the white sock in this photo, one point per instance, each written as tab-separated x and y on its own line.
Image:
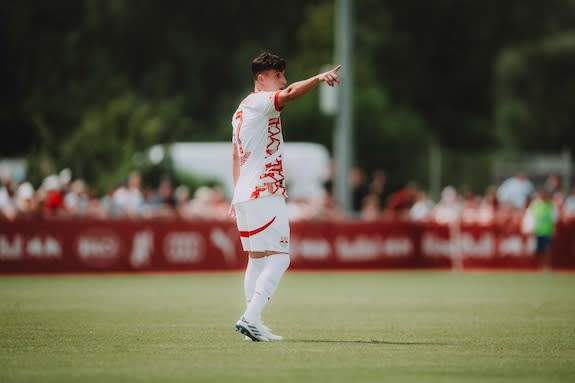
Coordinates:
253	271
266	285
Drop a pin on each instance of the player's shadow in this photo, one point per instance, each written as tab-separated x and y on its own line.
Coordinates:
370	341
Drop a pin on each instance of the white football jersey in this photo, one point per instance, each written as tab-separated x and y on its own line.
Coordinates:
258	140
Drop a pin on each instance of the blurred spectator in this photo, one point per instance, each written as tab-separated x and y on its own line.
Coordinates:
76	200
165	194
422	208
220	205
569	205
542	216
7	208
552	184
400	202
65	179
182	196
128	199
26	203
508	217
487	207
377	186
162	202
470	208
448	210
94	207
53	199
516	190
370	208
359	188
328	209
328	185
208	203
106	204
300	209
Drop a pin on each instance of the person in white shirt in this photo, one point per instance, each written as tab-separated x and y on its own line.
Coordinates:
128	198
516	190
259	184
76	200
569	205
7	209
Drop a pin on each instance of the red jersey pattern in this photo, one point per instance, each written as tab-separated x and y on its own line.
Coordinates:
274	136
257	134
244	156
273	180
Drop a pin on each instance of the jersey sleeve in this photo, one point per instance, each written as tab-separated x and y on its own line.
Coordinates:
267	102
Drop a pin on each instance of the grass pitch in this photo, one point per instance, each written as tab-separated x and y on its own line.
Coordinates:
339	327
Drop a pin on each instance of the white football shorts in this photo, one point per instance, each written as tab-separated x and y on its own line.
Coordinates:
263	224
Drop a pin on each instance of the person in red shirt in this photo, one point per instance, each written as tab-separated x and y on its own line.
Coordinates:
54	198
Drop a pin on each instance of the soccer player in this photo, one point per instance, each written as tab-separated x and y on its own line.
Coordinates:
259	186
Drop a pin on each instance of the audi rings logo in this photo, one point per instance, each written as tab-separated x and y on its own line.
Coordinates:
184	247
98	248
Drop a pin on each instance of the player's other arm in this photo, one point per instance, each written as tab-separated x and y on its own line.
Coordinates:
300	88
235	175
235	165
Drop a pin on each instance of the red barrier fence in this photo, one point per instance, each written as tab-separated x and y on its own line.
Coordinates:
76	246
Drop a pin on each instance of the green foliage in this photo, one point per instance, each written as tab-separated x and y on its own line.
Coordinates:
536	82
440	57
88	83
110	134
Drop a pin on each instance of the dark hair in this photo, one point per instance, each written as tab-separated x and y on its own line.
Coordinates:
267	61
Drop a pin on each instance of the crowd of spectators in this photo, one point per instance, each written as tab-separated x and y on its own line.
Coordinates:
504	204
62	196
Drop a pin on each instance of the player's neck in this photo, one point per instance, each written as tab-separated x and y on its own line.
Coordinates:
261	88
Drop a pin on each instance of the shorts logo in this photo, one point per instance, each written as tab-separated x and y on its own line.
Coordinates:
284	241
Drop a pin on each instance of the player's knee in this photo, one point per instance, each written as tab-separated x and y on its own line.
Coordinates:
283	261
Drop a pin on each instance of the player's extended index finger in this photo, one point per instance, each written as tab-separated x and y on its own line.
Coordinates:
336	69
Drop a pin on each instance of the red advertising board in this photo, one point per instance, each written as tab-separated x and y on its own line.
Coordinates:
172	245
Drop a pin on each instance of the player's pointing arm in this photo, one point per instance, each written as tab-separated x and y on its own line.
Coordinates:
300	88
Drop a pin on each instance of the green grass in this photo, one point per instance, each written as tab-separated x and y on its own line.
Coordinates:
339	327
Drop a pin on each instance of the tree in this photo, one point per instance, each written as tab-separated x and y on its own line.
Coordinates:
536	84
87	83
386	135
440	57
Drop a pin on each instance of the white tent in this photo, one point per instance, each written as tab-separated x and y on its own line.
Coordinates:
307	165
